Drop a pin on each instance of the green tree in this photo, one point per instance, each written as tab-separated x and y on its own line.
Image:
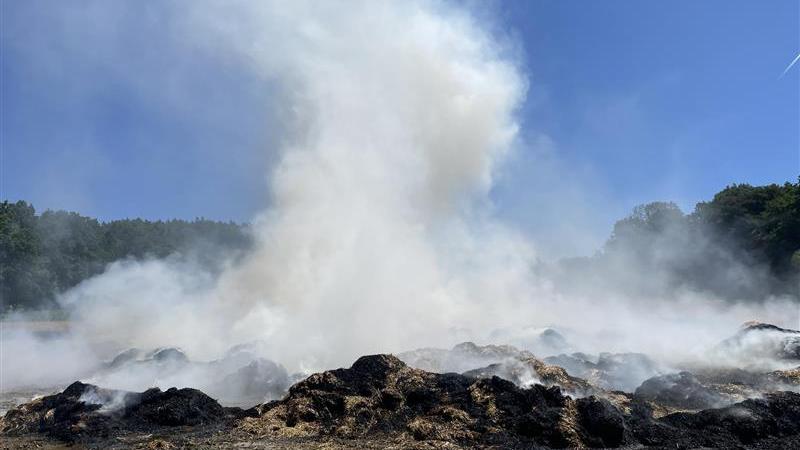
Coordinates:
42	255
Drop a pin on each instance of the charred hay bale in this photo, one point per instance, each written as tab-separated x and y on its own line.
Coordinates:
602	423
68	415
341	402
125	357
169	355
774	418
756	339
86	411
527	371
679	390
175	407
258	380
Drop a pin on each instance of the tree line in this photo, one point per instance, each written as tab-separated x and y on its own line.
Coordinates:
44	254
742	245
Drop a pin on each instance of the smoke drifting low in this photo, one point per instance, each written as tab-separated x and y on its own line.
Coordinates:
380	235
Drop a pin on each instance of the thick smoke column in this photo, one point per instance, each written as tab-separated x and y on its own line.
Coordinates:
397	114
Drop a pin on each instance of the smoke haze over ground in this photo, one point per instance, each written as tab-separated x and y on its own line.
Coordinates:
381	235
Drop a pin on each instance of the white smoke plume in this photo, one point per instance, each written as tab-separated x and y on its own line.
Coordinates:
397	116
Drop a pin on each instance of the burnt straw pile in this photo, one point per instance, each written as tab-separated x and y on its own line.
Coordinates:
83	412
469	396
380	395
381	398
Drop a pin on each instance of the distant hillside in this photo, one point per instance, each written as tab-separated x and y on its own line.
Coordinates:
41	255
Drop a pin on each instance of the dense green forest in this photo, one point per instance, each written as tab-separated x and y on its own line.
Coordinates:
743	245
41	255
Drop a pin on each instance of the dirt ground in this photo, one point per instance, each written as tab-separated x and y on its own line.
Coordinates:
210	439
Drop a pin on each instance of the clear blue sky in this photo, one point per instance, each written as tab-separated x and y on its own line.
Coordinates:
630	101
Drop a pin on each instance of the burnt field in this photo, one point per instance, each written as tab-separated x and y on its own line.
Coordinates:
465	397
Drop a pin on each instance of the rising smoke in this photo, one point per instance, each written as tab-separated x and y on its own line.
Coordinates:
380	237
397	116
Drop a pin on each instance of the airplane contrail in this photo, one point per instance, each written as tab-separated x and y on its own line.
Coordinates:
791	64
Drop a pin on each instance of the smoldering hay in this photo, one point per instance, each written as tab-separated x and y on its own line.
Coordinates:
395	118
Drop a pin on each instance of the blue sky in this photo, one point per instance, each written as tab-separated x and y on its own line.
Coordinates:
629	102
